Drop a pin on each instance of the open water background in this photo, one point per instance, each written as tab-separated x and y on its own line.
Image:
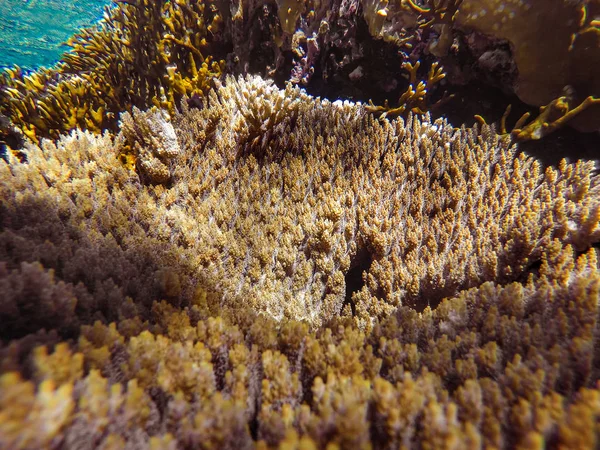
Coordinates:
33	32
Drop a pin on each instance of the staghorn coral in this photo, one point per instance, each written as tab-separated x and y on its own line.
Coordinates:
551	117
270	212
415	96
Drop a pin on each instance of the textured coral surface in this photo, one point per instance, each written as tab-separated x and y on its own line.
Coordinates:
270	270
154	52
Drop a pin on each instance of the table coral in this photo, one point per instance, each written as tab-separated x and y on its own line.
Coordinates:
217	310
535	388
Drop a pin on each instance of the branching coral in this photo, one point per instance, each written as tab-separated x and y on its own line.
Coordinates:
259	268
30	291
402	21
143	53
154	53
216	310
552	116
149	138
500	366
414	99
275	198
412	215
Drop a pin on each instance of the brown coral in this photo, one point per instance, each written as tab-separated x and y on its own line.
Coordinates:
151	140
540	386
408	218
142	53
290	196
146	53
270	213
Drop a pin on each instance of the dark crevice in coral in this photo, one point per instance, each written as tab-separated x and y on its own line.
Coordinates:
354	277
253	421
10	139
532	269
161	399
261	48
220	361
431	297
372	73
564	143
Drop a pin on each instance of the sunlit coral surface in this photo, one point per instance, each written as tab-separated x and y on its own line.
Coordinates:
217	306
190	259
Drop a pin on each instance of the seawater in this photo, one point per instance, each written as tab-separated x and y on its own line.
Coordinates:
33	32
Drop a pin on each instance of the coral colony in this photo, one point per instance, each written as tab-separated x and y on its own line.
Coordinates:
239	225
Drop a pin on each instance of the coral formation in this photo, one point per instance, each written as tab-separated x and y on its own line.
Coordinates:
154	53
148	53
309	276
552	116
414	99
143	53
403	22
150	140
201	261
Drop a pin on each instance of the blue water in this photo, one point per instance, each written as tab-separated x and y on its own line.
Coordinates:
33	32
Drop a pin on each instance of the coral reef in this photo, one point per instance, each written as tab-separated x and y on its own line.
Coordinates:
143	53
194	260
502	366
308	276
148	53
154	53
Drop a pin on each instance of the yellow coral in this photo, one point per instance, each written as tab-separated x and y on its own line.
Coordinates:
270	213
415	96
142	53
31	419
150	138
61	366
